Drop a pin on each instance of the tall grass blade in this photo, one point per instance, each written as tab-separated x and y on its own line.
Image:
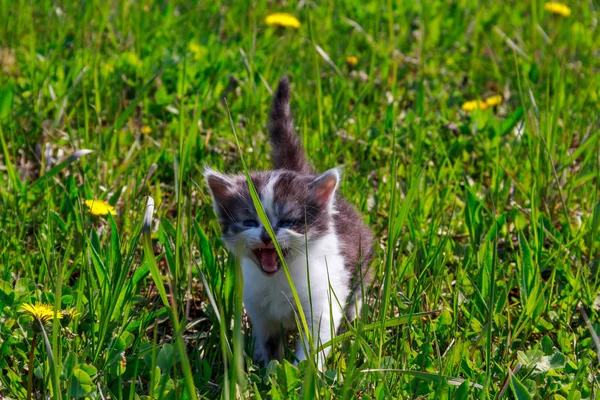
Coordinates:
156	277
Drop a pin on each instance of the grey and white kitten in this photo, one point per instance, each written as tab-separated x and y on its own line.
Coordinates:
326	245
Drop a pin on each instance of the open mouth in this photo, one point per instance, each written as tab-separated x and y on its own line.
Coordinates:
269	259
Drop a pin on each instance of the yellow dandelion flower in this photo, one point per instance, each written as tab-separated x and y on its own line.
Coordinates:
41	311
107	68
100	207
282	19
198	51
351	60
493	101
132	59
70	312
557	8
146	130
68	315
474	105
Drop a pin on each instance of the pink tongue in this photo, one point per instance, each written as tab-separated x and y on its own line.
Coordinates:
269	260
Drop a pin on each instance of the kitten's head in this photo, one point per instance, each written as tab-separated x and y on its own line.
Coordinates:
299	208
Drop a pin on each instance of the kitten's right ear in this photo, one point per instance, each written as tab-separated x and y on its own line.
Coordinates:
221	186
323	187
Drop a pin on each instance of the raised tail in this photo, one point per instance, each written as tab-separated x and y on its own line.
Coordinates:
287	152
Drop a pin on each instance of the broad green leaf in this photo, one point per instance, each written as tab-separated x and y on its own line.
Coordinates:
519	390
473	217
165	357
206	250
534	73
462	392
288	376
7	295
81	383
128	339
7	96
529	277
511	121
117	363
529	358
380	392
547	345
89	369
547	363
100	270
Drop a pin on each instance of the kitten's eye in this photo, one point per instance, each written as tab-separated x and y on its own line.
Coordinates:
286	223
250	223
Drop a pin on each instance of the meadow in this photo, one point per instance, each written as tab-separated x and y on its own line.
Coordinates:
469	135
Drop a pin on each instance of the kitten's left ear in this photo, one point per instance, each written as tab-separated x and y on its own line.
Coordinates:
221	187
323	188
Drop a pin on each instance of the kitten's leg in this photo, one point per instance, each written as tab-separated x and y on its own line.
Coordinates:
260	354
275	346
267	338
323	323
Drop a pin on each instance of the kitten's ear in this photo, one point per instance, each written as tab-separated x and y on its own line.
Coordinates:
323	188
221	186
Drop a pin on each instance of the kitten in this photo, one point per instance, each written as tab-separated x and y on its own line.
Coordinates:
324	241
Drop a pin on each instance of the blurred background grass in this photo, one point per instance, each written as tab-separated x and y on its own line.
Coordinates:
494	224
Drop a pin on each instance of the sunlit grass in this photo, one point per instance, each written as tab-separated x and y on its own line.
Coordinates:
469	137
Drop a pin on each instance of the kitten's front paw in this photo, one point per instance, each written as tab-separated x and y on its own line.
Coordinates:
260	356
301	356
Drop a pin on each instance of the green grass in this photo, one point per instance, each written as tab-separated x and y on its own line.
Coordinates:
487	222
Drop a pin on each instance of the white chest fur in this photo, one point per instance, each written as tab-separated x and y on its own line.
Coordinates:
319	281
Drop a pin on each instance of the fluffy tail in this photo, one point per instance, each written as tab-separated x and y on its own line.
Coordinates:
287	150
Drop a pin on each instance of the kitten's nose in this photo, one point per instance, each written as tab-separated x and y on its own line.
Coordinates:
264	236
